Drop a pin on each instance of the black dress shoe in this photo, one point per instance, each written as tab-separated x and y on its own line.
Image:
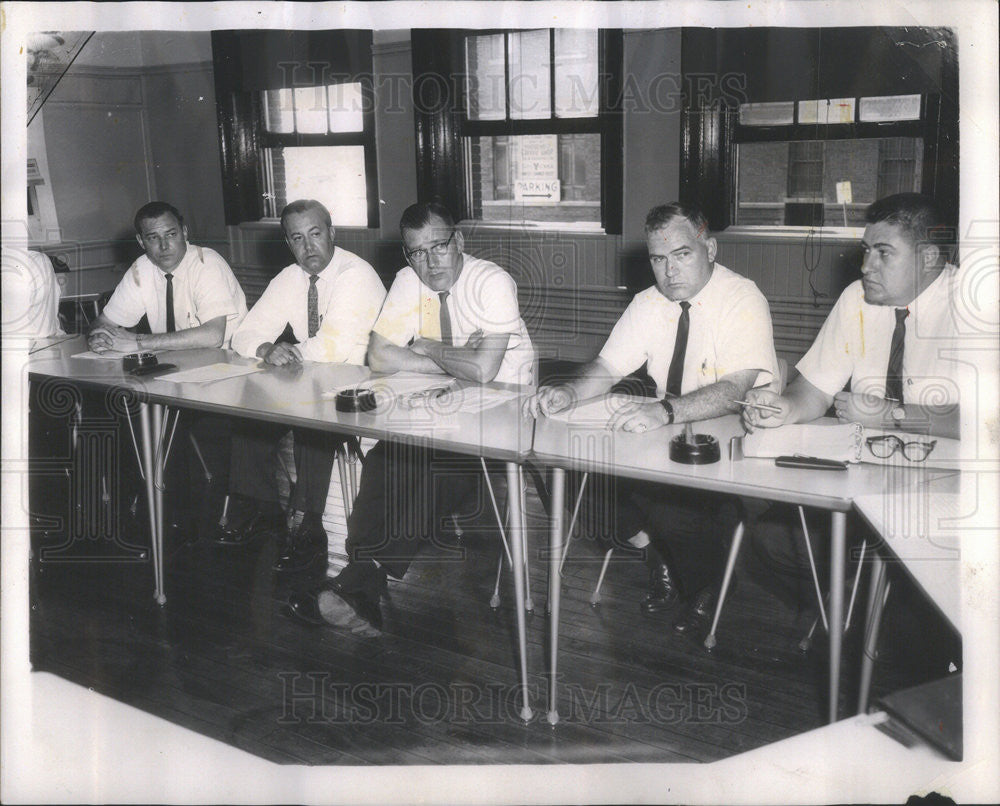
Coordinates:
698	615
305	546
249	521
663	595
303	607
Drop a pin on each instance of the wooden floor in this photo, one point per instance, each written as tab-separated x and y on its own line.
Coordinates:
440	686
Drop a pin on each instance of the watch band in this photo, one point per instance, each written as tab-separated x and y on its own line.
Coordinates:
669	408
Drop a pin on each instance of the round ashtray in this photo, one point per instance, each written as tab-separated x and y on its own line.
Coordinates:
355	400
136	361
703	451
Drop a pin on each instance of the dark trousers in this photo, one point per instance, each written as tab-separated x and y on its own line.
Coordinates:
690	529
407	493
254	463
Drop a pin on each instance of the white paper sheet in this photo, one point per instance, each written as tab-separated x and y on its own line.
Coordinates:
599	411
211	372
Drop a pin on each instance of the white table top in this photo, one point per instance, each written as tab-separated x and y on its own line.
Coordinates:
921	527
582	446
300	396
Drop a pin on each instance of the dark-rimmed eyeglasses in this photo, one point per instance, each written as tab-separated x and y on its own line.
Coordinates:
885	446
438	250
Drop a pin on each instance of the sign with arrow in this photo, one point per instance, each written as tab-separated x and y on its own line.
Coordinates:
537	179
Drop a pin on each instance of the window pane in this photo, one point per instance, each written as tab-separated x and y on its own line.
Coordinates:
279	116
530	86
310	110
333	175
827	110
889	107
486	91
778	181
576	73
346	107
767	114
535	178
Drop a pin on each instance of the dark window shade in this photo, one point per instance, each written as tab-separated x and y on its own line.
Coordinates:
251	61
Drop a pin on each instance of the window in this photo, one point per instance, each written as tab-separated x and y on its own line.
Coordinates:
332	174
787	130
532	124
296	120
813	182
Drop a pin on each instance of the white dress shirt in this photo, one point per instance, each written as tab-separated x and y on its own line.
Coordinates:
854	342
30	294
729	331
204	288
350	295
484	297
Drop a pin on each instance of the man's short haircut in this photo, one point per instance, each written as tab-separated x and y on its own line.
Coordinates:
154	210
300	206
916	213
662	215
419	215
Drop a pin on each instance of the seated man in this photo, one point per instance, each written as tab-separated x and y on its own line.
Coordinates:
320	308
188	294
879	360
704	333
189	298
883	335
447	312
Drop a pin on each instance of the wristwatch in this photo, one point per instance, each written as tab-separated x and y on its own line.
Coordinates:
898	413
669	408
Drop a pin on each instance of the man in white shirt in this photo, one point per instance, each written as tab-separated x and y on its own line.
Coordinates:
176	296
886	336
30	294
704	333
880	359
188	294
449	313
320	308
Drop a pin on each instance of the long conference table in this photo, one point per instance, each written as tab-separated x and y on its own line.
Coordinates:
301	396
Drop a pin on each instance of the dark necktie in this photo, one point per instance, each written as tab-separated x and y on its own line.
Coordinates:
171	326
445	318
894	373
313	306
675	375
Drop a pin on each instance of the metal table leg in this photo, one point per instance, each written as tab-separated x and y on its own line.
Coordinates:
516	527
555	583
152	453
837	552
876	600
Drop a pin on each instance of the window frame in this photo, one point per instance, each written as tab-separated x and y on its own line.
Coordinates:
240	82
710	138
365	138
441	131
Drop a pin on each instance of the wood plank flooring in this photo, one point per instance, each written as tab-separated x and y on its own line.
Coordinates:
440	686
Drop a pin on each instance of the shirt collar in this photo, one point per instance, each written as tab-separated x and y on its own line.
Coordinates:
328	273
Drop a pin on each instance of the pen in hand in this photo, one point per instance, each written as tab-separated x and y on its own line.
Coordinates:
759	406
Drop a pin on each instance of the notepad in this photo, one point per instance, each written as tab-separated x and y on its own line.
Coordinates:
842	442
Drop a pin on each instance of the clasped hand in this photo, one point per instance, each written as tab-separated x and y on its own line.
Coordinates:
107	337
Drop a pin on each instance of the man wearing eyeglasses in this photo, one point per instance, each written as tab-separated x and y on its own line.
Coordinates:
884	337
450	313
